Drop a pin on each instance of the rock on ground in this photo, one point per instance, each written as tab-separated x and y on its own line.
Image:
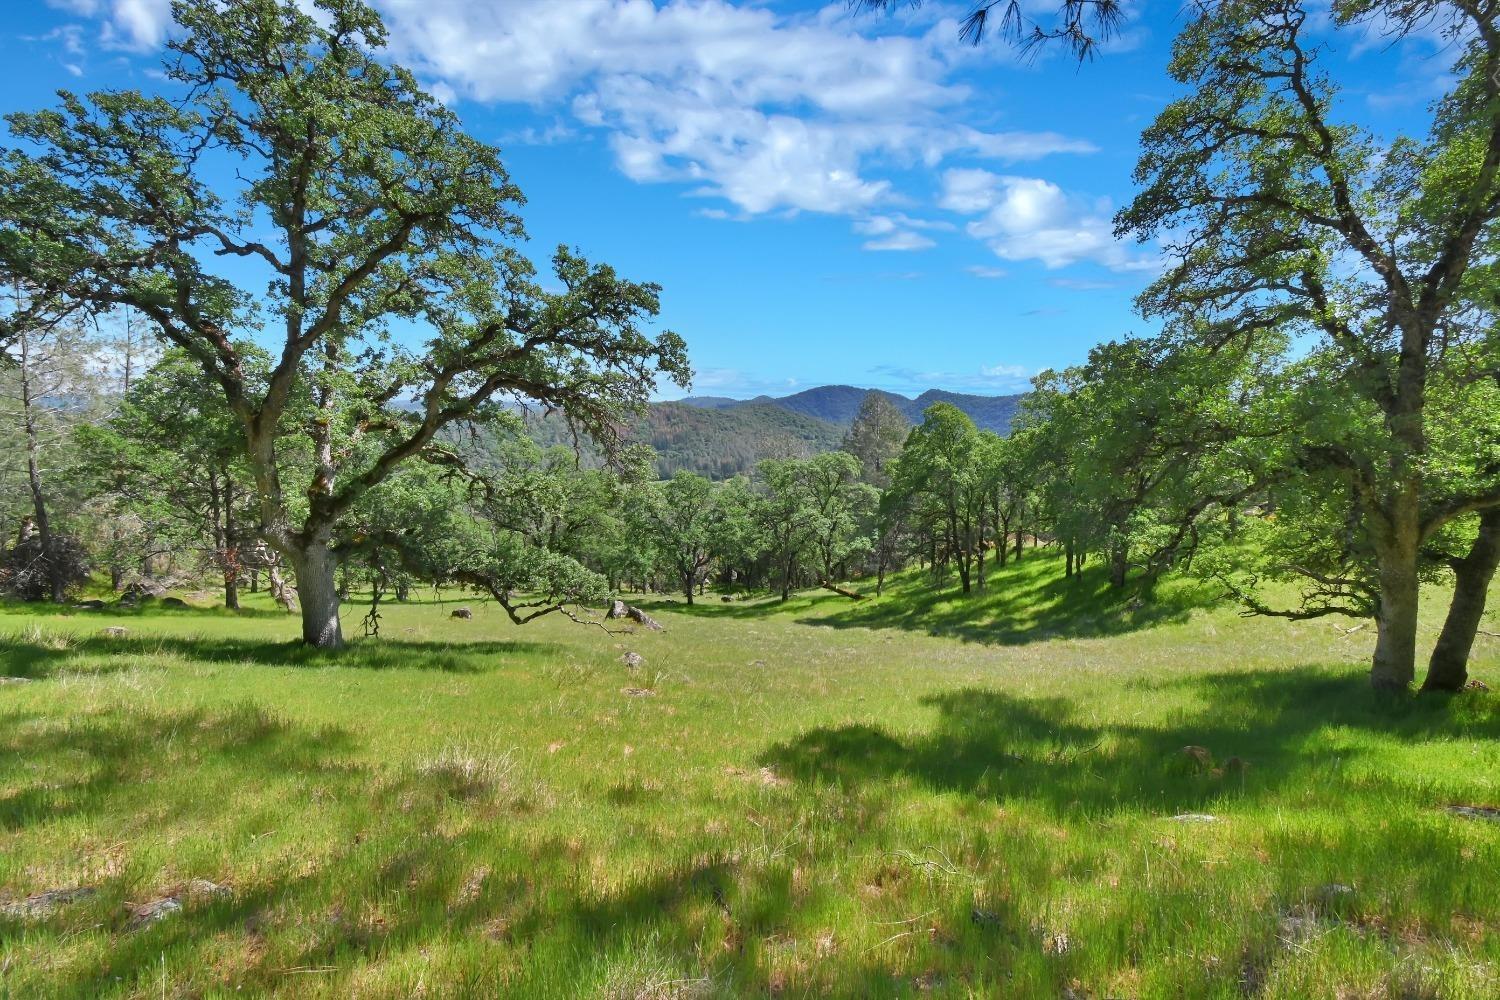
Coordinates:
159	909
619	609
150	913
44	903
1476	812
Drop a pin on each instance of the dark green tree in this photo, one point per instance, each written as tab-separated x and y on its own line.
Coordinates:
46	388
679	516
876	437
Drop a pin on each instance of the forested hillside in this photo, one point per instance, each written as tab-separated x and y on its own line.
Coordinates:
718	443
838	404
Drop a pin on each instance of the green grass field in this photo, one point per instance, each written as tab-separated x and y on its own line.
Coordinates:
908	796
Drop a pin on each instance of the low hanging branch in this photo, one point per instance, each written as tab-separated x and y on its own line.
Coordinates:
555	583
371	620
1332	596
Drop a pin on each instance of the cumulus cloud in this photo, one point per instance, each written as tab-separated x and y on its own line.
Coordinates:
769	111
1029	218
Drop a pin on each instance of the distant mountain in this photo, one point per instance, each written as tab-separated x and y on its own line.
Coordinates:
715	442
714	402
838	404
721	437
992	413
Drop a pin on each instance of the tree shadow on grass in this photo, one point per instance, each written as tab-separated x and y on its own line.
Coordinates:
45	655
121	747
151	607
1020	608
1022	602
742	608
1048	751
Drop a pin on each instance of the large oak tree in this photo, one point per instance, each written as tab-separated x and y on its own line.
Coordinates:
1279	214
297	190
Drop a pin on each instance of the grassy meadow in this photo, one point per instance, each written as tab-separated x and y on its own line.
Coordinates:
917	795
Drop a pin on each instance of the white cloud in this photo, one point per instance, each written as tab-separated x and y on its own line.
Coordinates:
1005	371
900	240
897	232
1028	218
985	271
557	131
128	24
771	112
997	378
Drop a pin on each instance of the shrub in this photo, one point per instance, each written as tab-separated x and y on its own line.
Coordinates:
28	571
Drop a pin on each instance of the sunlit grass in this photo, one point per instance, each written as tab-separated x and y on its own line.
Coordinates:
921	794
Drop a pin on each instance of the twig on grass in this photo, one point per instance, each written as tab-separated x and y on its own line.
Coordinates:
908	920
893	937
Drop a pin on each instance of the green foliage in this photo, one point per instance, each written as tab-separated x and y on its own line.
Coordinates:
1155	441
810	515
938	475
33	571
171	461
678	516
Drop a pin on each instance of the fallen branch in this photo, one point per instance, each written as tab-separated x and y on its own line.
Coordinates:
841	591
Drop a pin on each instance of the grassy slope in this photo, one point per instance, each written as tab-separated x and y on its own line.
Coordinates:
823	798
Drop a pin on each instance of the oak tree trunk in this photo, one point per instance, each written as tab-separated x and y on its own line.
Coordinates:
1119	565
1449	667
1394	663
318	594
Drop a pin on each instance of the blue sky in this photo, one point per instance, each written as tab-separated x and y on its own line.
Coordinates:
824	197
